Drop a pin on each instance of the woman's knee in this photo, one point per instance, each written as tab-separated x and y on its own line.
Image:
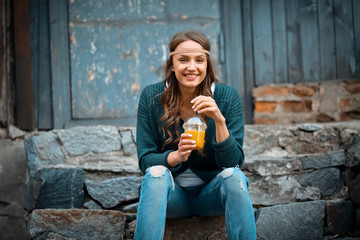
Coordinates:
235	174
157	171
159	176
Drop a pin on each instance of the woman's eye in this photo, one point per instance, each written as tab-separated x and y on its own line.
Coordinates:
200	60
182	60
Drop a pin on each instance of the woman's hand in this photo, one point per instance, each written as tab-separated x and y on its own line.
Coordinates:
207	105
185	147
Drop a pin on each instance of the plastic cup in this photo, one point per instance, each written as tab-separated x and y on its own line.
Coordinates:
196	128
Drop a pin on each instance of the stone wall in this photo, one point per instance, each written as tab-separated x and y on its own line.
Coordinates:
331	101
84	183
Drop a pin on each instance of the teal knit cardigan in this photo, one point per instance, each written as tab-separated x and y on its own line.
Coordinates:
218	156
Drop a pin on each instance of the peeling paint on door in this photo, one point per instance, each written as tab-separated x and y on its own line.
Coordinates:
119	47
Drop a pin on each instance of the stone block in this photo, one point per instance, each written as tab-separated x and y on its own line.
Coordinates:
12	228
76	223
291	221
296	106
272	190
303	90
128	142
272	166
310	127
354	189
92	205
55	188
323	118
328	180
344	103
353	156
211	228
264	120
352	87
265	107
271	90
43	150
112	192
81	140
12	178
323	160
309	194
15	132
339	217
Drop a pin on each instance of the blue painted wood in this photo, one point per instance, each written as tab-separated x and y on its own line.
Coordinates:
59	62
263	42
44	93
327	40
356	14
232	27
293	42
345	48
34	43
309	40
248	60
116	51
279	41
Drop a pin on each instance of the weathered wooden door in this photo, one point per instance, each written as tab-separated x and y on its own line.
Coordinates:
104	52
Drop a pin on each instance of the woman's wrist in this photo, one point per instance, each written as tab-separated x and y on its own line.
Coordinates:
222	132
173	159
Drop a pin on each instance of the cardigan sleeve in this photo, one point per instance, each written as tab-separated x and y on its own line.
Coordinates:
147	138
229	153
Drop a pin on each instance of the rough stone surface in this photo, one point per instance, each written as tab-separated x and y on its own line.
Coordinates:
354	189
128	143
310	127
55	188
111	192
309	194
15	132
327	180
272	190
43	150
77	223
271	166
211	228
291	221
339	217
54	236
284	164
92	205
323	160
12	189
81	140
131	208
353	158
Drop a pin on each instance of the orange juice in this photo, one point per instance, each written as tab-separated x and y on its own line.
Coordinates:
198	137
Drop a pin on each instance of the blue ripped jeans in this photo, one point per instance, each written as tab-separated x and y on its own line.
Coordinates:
162	198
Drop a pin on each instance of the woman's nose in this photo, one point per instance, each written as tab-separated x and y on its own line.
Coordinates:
191	66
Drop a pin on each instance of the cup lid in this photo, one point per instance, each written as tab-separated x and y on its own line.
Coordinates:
194	121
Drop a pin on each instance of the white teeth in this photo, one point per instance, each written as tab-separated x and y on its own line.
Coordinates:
190	76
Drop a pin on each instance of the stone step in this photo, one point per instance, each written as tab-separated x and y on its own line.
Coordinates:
294	172
282	222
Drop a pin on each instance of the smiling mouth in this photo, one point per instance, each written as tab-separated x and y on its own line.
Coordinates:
190	76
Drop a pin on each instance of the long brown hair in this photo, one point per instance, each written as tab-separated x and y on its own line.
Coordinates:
171	98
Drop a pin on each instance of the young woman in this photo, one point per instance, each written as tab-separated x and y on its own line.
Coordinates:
180	181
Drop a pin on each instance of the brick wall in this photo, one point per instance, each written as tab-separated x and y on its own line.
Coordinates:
331	101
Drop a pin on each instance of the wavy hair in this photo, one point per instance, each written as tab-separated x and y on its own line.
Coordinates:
171	99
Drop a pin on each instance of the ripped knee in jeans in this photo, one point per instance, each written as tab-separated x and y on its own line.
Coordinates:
228	172
157	171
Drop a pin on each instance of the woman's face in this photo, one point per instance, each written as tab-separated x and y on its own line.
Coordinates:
190	68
